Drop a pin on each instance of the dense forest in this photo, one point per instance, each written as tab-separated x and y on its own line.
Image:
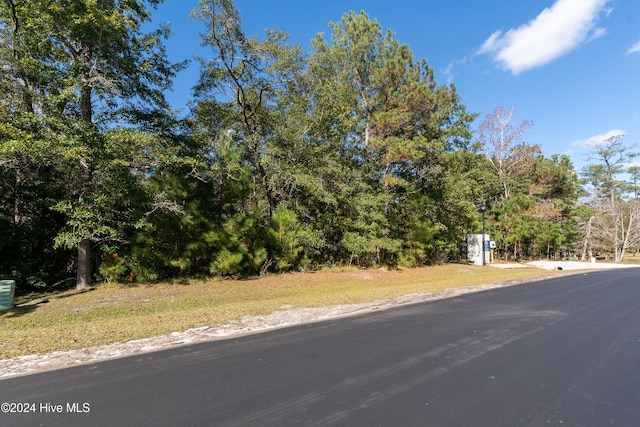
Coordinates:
289	160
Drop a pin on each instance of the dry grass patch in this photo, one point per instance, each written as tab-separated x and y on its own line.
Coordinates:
115	313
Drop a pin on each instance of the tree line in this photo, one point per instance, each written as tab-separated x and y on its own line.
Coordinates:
349	153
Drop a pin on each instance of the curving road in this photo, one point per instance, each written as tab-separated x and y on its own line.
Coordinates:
562	351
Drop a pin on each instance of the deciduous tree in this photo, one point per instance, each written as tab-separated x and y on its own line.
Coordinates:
614	223
503	145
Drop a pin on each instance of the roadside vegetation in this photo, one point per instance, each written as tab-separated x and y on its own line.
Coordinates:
348	154
115	312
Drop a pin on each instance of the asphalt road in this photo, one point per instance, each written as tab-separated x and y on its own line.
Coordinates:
563	351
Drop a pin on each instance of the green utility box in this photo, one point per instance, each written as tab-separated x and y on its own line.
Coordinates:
7	291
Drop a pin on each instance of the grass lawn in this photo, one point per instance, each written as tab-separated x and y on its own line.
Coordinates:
117	312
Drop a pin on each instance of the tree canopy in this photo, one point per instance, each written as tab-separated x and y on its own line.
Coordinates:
350	153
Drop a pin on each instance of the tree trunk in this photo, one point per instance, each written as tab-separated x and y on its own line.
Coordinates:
84	247
616	225
587	241
627	230
84	265
17	198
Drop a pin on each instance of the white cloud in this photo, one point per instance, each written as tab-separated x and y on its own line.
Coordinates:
596	141
634	164
634	49
448	71
597	33
554	32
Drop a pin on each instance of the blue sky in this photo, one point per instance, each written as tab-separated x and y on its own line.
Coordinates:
572	67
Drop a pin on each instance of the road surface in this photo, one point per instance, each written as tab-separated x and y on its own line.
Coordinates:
564	351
